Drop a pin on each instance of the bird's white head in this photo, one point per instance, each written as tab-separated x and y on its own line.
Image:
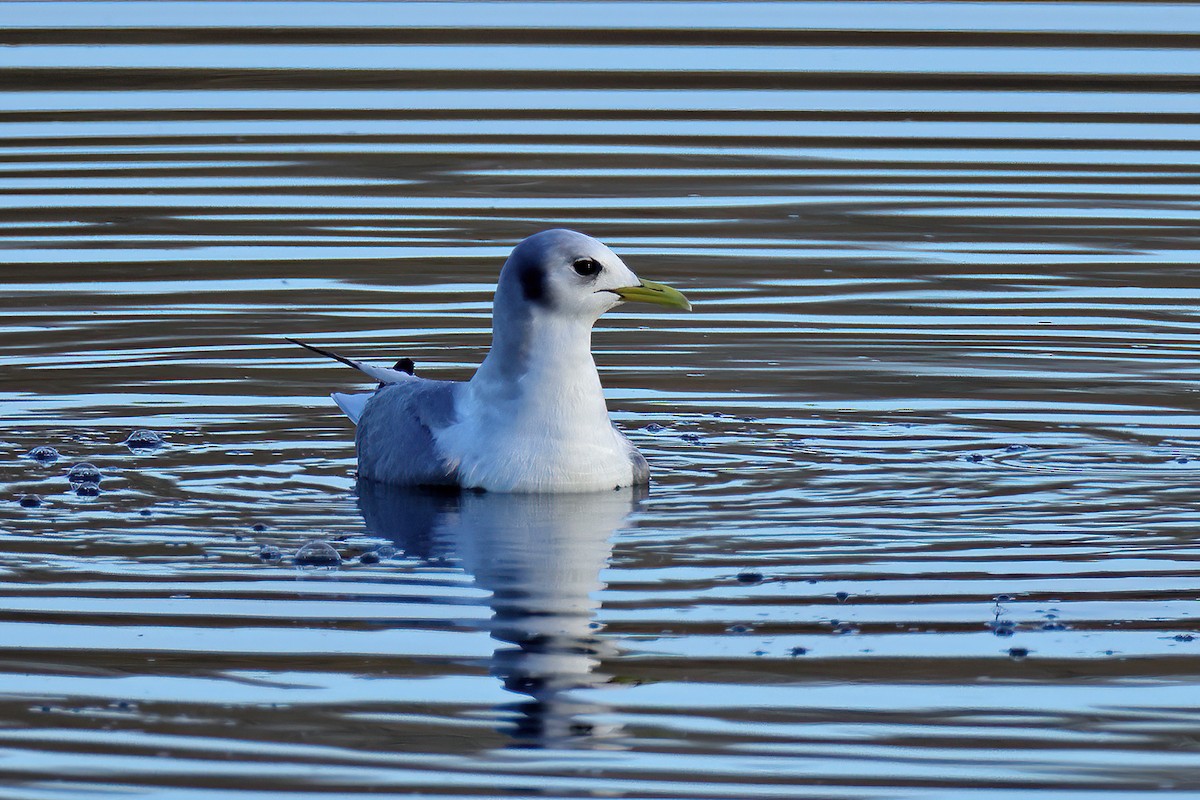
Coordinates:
567	274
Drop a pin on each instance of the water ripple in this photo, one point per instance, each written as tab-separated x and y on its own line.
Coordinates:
923	453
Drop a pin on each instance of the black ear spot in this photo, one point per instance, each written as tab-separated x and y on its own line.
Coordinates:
533	283
587	267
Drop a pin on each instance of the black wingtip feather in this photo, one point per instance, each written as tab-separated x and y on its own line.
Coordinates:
322	352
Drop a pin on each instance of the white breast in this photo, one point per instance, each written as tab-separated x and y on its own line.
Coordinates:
537	435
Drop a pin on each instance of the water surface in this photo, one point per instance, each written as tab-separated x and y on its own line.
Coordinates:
924	454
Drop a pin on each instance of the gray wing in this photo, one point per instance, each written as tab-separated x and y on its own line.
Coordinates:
396	433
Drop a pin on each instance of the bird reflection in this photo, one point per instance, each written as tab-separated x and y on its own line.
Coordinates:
540	556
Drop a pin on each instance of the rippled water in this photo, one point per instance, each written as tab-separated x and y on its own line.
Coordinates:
924	453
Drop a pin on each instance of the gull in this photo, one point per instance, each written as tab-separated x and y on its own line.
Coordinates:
533	417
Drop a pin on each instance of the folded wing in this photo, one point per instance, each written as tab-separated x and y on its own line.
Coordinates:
398	428
398	423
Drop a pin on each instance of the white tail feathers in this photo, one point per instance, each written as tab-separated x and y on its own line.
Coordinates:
352	405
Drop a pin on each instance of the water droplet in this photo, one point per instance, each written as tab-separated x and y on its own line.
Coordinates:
43	454
84	472
141	440
317	554
30	501
270	553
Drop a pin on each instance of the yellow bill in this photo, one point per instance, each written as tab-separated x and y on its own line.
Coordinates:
658	293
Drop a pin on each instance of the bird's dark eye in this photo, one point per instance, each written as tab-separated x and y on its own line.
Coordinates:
587	267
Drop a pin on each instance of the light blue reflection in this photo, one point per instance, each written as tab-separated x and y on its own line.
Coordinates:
540	556
613	59
932	16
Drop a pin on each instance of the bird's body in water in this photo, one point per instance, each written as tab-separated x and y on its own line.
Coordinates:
533	417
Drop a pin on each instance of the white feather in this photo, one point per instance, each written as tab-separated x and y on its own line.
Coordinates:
381	374
352	405
547	431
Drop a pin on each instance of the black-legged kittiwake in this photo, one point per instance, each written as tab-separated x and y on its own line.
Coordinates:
533	417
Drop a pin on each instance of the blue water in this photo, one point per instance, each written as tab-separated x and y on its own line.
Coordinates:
924	453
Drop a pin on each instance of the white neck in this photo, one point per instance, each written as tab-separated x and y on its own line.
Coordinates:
544	363
535	416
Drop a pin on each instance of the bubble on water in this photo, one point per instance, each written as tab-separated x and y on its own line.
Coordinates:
387	551
270	553
84	472
317	554
141	440
1184	637
1017	448
654	427
799	651
369	557
750	576
30	501
43	454
691	438
974	458
88	490
842	596
1018	653
259	527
